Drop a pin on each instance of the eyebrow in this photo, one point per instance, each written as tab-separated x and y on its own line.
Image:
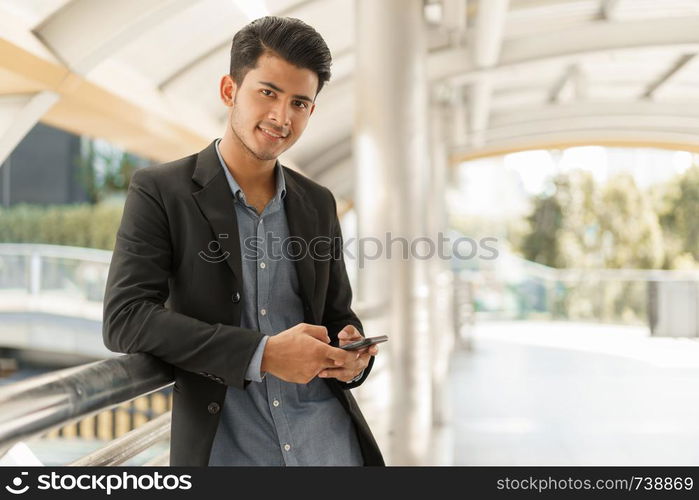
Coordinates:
297	96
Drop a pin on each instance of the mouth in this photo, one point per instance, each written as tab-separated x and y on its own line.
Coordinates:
272	136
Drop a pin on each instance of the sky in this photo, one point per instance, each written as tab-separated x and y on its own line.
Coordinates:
501	186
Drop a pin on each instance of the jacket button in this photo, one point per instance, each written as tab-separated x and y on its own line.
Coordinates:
235	297
213	408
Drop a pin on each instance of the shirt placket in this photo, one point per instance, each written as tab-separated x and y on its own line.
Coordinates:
274	389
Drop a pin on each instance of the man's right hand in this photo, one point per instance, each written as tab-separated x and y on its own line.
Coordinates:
298	354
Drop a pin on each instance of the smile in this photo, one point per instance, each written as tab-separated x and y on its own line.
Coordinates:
271	135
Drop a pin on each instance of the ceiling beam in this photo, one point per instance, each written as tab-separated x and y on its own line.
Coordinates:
455	65
225	45
28	112
454	17
458	114
104	26
572	76
536	113
559	85
668	75
87	108
489	32
609	9
327	158
640	123
551	139
487	43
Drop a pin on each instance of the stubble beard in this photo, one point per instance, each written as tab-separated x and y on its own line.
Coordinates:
247	148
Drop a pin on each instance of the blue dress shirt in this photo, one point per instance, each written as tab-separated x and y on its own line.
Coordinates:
273	422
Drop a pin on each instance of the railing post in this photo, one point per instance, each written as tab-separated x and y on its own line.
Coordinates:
34	274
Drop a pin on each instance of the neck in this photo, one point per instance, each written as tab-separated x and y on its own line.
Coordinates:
249	171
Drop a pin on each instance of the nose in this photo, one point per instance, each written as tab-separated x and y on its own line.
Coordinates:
279	113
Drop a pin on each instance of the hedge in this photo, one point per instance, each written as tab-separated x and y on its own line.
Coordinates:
83	225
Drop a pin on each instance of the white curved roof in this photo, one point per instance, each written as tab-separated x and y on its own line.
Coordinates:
515	75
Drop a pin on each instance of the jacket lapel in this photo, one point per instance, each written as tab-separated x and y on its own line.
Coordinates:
216	202
302	219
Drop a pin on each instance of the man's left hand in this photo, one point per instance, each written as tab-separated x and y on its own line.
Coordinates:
349	371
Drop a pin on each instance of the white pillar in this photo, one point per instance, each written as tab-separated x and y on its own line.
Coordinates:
441	303
392	163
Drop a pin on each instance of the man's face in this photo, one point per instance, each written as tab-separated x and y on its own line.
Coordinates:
271	107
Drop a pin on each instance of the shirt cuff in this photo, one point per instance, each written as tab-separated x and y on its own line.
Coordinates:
254	373
356	378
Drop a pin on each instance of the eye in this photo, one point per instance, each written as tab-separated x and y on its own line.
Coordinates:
301	104
267	92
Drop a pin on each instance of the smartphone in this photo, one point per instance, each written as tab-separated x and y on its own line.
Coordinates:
361	344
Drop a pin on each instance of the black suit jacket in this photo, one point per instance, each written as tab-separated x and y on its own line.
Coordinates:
163	298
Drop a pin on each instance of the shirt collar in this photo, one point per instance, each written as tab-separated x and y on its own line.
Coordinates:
238	193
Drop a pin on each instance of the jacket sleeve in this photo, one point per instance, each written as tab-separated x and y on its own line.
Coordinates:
338	312
135	317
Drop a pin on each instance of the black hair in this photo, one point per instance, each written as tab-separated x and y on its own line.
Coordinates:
289	38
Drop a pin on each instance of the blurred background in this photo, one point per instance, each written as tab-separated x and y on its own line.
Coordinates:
560	134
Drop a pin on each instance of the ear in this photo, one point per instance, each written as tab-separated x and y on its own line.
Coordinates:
227	90
313	108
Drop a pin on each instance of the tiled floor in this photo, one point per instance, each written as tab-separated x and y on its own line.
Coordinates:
571	394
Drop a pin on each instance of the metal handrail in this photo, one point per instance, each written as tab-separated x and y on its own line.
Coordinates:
129	445
603	274
56	252
160	461
34	406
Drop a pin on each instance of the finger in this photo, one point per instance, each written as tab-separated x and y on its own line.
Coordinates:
318	332
338	373
368	351
355	364
340	356
351	329
330	363
350	333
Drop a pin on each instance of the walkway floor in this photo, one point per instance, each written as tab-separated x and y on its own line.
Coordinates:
571	394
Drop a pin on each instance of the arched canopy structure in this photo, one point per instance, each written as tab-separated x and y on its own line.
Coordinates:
514	74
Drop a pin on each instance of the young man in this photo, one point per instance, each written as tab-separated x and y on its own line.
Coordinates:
204	278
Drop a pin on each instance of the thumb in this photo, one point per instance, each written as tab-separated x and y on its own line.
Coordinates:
349	333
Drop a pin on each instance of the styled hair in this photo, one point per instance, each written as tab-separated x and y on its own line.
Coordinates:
287	37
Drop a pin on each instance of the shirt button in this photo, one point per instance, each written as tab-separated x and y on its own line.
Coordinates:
287	447
275	402
263	265
263	311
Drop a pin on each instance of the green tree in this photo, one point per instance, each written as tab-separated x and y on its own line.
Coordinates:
562	222
630	232
677	208
105	170
584	225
